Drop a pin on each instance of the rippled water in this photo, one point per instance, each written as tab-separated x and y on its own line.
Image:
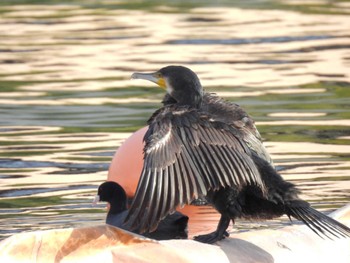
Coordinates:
67	103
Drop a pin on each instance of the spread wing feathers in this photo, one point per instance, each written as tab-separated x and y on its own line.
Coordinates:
255	144
186	155
232	114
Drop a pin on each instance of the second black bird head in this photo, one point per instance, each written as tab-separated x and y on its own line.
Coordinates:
181	84
114	194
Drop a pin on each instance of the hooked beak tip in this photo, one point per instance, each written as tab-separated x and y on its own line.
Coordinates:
134	76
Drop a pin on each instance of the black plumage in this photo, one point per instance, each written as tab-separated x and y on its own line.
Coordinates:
200	146
173	226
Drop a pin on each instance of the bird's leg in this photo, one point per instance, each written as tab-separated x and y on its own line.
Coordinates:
217	235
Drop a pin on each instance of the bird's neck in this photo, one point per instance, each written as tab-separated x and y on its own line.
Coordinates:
117	206
193	100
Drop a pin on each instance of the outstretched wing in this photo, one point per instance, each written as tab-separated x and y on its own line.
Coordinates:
232	114
185	155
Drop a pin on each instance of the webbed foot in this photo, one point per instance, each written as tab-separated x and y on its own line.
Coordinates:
212	237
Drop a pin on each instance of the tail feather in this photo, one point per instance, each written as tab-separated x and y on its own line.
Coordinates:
330	223
307	221
319	223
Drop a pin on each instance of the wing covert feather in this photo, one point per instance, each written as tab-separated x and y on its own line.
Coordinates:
236	117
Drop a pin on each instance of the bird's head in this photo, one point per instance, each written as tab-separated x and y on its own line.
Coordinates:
180	83
112	193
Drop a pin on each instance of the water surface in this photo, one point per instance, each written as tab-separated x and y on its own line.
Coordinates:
67	101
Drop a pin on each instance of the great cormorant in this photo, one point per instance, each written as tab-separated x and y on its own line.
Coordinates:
200	146
173	226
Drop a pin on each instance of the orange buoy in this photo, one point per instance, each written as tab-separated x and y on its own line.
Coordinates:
126	165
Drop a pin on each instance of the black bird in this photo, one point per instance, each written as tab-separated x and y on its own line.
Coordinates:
200	146
171	227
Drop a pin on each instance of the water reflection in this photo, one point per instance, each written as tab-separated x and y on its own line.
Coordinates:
66	101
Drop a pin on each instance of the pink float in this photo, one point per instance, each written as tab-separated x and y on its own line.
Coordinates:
127	162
